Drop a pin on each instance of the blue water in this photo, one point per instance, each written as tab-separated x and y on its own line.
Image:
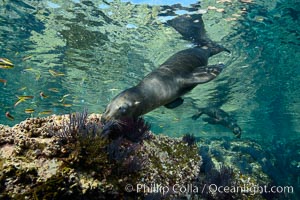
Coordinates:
100	48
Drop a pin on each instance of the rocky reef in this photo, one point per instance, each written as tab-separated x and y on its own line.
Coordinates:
45	158
67	156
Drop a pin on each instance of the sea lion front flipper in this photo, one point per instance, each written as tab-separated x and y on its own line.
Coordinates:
204	74
198	114
173	104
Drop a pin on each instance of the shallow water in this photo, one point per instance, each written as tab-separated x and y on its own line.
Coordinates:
95	49
102	48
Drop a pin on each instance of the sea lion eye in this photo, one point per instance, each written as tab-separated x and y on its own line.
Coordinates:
122	109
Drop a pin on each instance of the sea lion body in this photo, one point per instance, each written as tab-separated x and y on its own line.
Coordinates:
165	85
219	116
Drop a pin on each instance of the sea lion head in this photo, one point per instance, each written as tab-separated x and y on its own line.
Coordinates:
122	106
237	131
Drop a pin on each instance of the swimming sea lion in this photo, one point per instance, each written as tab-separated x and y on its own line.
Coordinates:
219	116
165	85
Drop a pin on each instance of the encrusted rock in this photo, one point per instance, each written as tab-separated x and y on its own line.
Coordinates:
42	157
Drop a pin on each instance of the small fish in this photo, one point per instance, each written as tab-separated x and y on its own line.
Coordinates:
3	81
9	116
5	66
53	89
43	95
29	70
5	63
67	105
29	110
25	97
19	101
113	89
22	98
53	73
45	112
108	81
23	88
27	57
63	98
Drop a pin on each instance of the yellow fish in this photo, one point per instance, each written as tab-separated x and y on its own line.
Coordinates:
23	88
67	105
29	110
30	70
53	73
27	57
25	97
22	98
5	63
63	98
19	101
45	112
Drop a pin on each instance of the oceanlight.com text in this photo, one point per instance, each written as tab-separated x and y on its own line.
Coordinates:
211	188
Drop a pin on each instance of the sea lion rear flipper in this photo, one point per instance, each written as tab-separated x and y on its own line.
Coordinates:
191	27
173	104
204	74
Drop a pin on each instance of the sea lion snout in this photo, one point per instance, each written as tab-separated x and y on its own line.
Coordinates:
112	112
104	117
124	105
117	109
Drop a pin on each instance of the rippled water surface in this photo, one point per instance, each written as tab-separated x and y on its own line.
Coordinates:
82	53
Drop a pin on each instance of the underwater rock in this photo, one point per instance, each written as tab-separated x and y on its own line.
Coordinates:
42	158
239	164
63	157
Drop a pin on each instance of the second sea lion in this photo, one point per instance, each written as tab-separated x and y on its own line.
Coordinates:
219	116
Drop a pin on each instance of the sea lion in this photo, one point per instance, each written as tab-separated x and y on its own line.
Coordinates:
219	116
165	85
